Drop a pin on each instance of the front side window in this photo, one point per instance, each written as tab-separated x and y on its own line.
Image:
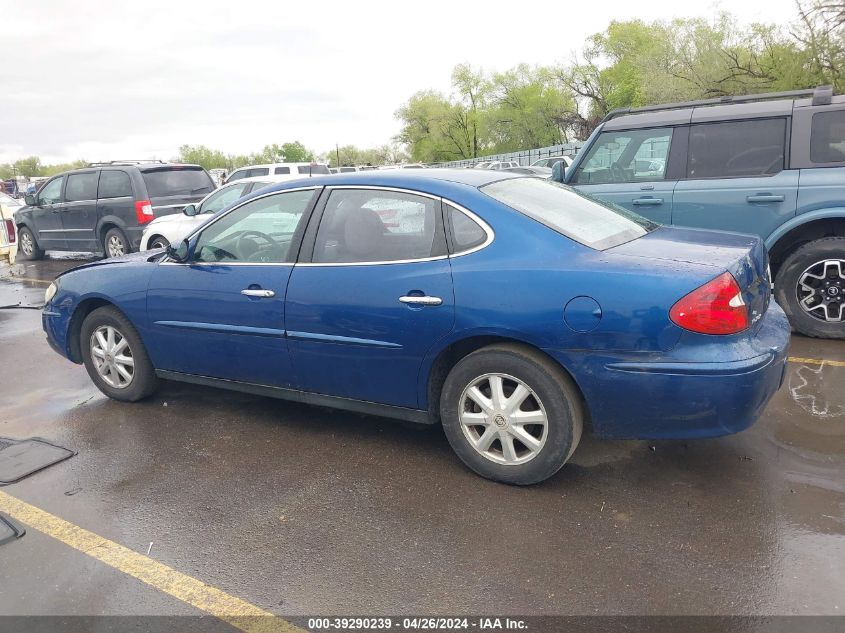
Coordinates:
222	198
360	225
51	193
81	187
736	149
629	156
827	137
260	231
114	184
241	173
582	218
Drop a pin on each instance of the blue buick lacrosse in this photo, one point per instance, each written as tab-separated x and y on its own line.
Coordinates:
515	311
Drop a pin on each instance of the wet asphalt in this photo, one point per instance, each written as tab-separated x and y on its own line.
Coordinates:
304	510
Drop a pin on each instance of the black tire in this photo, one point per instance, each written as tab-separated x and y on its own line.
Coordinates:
787	287
27	242
115	243
555	393
158	242
143	382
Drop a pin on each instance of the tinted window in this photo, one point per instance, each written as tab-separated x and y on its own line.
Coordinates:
377	226
281	170
222	198
734	149
346	170
177	181
584	219
51	193
630	156
260	231
81	187
313	170
827	137
466	232
114	184
257	171
241	173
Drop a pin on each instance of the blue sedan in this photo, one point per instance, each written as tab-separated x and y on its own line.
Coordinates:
515	311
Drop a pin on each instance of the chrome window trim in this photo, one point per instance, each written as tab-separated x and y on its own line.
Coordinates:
485	227
173	206
77	201
117	198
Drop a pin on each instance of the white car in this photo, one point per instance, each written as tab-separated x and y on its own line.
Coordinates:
288	170
550	162
502	164
8	233
172	229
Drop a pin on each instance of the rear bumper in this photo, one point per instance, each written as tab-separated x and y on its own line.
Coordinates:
665	399
133	234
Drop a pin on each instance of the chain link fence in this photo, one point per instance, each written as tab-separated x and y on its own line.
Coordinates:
524	157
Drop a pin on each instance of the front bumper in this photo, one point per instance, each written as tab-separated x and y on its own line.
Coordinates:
666	399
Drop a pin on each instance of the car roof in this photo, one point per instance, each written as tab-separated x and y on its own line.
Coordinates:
408	177
259	165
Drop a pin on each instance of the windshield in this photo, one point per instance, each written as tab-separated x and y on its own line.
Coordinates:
591	222
177	181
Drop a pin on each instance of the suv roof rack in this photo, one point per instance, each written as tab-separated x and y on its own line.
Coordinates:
821	96
125	162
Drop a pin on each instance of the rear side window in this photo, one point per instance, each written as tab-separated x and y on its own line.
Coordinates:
177	182
736	149
827	137
466	232
281	170
258	171
313	170
81	187
114	184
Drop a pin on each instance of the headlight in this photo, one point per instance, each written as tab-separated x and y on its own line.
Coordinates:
50	292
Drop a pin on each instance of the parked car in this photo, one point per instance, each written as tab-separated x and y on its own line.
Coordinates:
413	166
347	169
104	207
292	170
552	161
502	164
771	165
511	309
8	231
542	172
482	165
172	229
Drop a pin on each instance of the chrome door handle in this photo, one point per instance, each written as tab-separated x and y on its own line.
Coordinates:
647	201
249	292
765	197
422	301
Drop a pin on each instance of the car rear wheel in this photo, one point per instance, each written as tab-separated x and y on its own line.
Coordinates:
810	287
115	243
27	246
115	357
159	242
511	414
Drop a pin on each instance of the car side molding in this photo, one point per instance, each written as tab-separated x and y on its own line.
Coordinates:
347	404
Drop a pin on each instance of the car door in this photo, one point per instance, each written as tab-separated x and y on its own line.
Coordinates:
221	313
79	212
736	178
630	168
46	215
371	294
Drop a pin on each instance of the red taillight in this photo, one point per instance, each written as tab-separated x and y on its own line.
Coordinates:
144	211
10	231
715	308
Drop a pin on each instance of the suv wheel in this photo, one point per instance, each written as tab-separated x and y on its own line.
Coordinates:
115	244
115	357
810	287
511	414
27	246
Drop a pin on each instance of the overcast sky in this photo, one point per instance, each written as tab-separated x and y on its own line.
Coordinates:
137	79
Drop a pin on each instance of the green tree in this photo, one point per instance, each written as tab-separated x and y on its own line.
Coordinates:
29	167
296	153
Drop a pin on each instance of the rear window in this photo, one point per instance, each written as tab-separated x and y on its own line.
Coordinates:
827	137
177	182
313	170
591	222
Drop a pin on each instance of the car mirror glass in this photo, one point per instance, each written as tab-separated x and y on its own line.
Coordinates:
190	210
29	199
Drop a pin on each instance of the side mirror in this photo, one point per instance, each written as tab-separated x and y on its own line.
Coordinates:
190	210
29	199
181	253
559	171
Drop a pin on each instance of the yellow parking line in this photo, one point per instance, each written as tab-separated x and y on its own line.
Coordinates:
239	613
29	279
816	361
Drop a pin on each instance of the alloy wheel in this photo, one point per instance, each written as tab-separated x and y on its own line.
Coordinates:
115	246
503	419
112	356
26	244
821	290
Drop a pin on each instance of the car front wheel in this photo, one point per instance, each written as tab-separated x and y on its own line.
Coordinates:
810	287
511	414
115	357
